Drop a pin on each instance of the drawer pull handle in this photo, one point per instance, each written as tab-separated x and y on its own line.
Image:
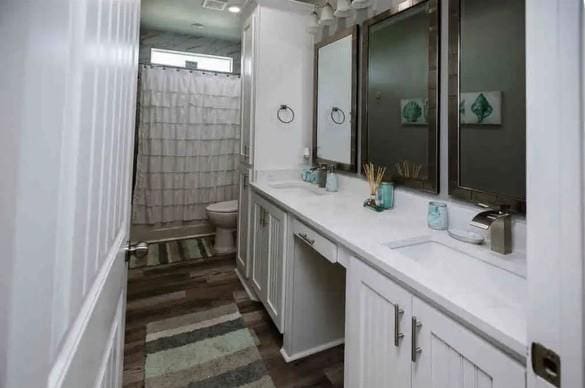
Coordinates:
414	348
398	312
305	238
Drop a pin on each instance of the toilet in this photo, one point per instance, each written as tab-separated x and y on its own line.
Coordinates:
224	216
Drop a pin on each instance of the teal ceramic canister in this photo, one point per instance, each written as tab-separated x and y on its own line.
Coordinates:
386	190
437	216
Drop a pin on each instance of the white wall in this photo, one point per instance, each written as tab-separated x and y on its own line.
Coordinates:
284	75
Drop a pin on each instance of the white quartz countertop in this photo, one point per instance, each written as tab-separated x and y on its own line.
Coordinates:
491	308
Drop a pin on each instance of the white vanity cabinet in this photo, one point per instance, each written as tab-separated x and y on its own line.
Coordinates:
452	356
394	339
377	331
268	253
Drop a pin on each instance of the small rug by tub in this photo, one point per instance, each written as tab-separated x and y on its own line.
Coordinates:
166	252
211	348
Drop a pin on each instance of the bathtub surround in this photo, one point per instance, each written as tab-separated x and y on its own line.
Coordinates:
189	134
192	43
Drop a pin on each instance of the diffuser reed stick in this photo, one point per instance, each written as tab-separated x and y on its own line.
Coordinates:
374	176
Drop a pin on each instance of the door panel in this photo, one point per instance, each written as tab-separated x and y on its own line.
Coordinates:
275	260
372	357
453	357
74	65
247	90
259	250
244	225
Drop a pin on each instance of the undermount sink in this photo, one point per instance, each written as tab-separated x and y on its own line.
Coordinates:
298	186
455	265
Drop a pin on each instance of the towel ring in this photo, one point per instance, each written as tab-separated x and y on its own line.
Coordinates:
335	110
285	108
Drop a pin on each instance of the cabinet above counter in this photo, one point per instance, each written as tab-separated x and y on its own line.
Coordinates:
482	290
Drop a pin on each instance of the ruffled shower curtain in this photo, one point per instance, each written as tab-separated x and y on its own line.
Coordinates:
189	130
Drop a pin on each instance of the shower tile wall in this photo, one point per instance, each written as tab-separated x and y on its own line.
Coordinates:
185	42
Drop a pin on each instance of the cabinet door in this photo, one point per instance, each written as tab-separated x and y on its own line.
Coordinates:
451	356
244	226
275	263
259	249
247	74
377	332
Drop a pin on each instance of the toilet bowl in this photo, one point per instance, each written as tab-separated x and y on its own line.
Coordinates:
224	216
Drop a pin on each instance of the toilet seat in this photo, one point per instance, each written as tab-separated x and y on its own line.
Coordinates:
224	207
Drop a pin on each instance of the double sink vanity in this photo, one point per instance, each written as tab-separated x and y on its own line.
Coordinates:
411	304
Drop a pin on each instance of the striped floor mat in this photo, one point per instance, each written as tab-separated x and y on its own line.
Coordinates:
208	349
166	252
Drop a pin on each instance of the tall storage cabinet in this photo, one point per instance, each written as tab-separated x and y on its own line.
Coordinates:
277	66
394	339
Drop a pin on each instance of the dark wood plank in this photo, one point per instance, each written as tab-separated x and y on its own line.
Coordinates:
166	291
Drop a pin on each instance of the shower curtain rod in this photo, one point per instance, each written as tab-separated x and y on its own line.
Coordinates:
164	67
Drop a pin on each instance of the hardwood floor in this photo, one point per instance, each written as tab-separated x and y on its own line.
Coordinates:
156	293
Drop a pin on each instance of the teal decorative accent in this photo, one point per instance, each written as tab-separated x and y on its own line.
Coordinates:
481	108
462	107
411	112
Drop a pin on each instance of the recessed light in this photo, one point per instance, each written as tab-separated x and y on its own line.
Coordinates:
198	26
234	9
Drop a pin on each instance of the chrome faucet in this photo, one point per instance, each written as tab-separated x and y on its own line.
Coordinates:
499	223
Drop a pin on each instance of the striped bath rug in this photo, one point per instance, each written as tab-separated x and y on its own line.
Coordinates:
207	349
166	252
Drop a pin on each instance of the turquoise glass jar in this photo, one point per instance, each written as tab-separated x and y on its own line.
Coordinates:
386	195
437	216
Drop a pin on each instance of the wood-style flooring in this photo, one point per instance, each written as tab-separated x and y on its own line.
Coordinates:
157	293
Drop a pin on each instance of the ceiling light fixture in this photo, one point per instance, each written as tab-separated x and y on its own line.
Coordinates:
359	4
343	9
234	9
327	18
198	26
313	27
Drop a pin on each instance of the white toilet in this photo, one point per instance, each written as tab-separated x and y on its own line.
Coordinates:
224	216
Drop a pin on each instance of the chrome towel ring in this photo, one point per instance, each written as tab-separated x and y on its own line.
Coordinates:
340	111
285	108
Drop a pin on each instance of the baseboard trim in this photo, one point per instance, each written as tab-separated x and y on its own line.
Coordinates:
309	352
248	290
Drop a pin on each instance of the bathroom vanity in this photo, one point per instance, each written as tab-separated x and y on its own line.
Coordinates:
411	304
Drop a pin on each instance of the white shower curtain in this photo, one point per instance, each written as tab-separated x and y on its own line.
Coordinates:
189	130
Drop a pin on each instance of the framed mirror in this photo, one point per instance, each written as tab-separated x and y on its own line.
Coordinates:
400	81
487	102
335	100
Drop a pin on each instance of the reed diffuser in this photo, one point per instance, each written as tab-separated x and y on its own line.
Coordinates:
374	175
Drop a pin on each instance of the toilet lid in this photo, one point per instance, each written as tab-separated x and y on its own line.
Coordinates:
224	207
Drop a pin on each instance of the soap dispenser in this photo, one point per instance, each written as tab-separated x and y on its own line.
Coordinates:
332	180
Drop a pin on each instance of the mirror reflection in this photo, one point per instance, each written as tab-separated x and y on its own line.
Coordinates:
491	101
401	95
335	100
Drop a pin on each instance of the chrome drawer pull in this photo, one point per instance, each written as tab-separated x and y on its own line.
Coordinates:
414	349
397	317
305	238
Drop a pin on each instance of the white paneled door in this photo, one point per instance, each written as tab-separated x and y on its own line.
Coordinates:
67	112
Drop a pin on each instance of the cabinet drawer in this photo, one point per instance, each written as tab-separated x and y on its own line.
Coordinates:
324	246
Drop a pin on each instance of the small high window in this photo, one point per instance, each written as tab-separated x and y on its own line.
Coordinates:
191	60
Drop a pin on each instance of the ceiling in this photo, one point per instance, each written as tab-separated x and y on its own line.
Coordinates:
180	15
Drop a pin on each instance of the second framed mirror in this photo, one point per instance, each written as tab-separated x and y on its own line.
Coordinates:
400	95
335	100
